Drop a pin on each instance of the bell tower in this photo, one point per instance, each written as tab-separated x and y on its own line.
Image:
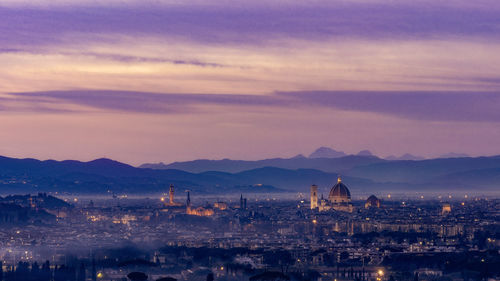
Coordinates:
171	194
314	197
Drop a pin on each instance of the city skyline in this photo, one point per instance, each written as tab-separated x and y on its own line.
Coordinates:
151	81
233	140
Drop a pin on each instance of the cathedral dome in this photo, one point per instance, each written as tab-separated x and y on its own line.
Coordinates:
339	193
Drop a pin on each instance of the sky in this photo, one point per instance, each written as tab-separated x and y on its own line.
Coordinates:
148	81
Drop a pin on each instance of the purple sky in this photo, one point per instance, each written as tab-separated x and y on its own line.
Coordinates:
148	81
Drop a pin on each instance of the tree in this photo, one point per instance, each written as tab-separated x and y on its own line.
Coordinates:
94	271
46	273
137	276
81	273
270	276
166	279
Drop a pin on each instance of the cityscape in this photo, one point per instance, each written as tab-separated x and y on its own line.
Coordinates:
309	237
234	140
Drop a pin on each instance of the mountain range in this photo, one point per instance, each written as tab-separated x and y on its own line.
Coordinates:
362	173
406	156
330	165
327	152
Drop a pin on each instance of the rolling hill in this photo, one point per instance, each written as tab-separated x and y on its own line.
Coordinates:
329	165
360	173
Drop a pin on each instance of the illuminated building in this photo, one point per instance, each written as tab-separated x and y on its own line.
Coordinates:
314	197
171	202
339	198
372	202
446	209
200	211
171	194
220	205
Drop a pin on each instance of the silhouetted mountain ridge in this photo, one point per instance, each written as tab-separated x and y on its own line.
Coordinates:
234	166
326	152
424	171
427	174
103	175
360	173
406	156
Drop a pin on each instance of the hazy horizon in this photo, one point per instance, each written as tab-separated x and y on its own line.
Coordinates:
240	159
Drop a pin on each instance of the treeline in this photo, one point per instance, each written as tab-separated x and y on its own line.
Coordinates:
25	271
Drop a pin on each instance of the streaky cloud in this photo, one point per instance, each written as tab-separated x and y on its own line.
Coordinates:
138	59
253	24
414	105
432	105
143	102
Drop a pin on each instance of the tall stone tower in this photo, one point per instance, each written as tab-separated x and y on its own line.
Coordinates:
188	203
314	197
171	194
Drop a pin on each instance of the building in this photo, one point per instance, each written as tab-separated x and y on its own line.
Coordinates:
314	197
339	198
372	202
243	203
446	209
171	194
200	211
220	205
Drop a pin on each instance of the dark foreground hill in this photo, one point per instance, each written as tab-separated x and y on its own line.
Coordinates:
108	176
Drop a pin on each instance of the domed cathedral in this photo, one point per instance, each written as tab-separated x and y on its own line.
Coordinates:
372	202
339	193
339	198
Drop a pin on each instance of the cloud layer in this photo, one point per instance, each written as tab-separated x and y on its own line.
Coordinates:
255	22
256	47
152	80
430	106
